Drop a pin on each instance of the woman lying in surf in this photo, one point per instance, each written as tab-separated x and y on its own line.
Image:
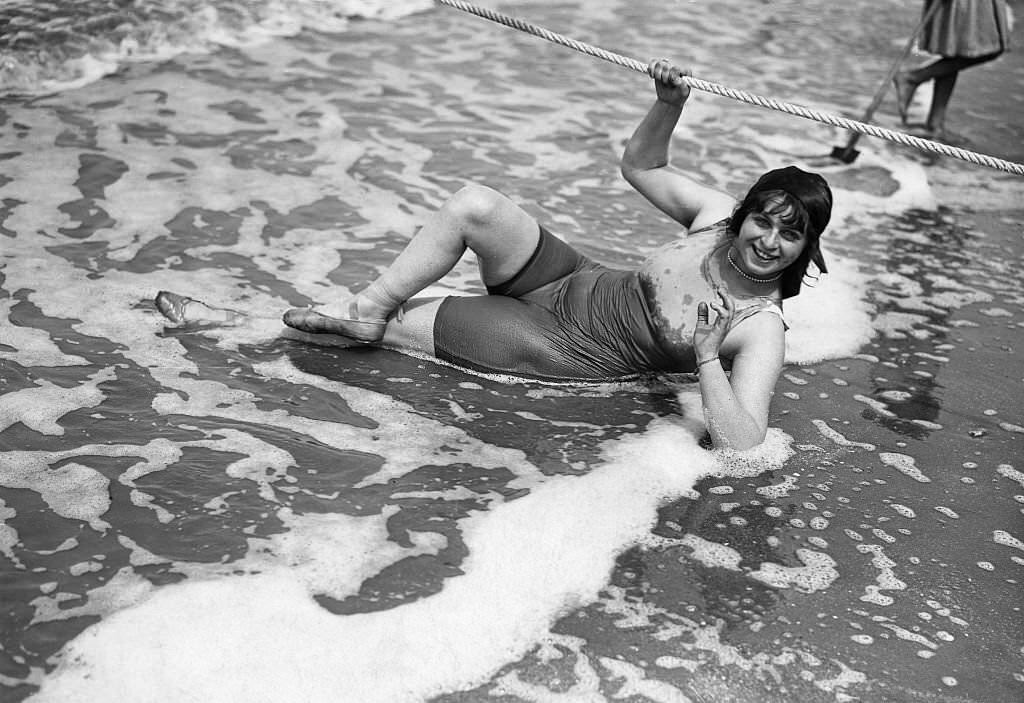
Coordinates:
553	314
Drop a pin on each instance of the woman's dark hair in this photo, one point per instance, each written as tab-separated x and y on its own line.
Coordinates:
803	201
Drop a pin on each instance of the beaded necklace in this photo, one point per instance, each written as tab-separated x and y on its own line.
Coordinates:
728	255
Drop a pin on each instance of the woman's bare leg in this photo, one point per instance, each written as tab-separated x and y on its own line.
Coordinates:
501	234
944	72
941	93
415	330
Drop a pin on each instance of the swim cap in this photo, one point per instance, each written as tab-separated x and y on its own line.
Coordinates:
810	189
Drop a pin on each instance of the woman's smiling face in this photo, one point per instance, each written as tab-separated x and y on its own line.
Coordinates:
768	241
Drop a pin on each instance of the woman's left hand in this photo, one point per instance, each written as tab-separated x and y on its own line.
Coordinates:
708	335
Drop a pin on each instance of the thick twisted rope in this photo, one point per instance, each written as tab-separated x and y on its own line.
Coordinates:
742	96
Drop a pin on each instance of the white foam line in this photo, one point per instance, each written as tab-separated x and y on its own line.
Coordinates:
263	638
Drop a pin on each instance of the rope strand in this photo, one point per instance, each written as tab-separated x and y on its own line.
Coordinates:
743	96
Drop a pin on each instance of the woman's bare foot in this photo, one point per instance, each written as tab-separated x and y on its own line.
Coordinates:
921	130
904	94
947	136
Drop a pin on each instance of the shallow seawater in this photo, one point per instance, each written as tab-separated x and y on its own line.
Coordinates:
235	513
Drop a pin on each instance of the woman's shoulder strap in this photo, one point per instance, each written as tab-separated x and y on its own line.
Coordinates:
763	304
721	225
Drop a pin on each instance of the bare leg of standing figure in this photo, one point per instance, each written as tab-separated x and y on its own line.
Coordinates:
501	234
941	93
944	72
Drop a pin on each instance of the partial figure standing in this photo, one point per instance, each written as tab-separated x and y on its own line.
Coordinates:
964	33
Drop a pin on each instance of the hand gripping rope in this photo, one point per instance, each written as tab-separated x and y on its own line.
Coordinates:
742	96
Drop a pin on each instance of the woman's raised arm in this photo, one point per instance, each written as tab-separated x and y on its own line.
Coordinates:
645	161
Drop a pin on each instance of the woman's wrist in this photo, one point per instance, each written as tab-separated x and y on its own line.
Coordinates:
671	103
709	360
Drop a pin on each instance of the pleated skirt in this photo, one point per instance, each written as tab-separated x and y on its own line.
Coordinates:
966	28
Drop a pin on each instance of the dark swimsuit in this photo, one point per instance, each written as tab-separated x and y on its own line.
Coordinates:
563	317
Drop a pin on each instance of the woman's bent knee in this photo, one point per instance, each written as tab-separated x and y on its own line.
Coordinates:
501	234
477	205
